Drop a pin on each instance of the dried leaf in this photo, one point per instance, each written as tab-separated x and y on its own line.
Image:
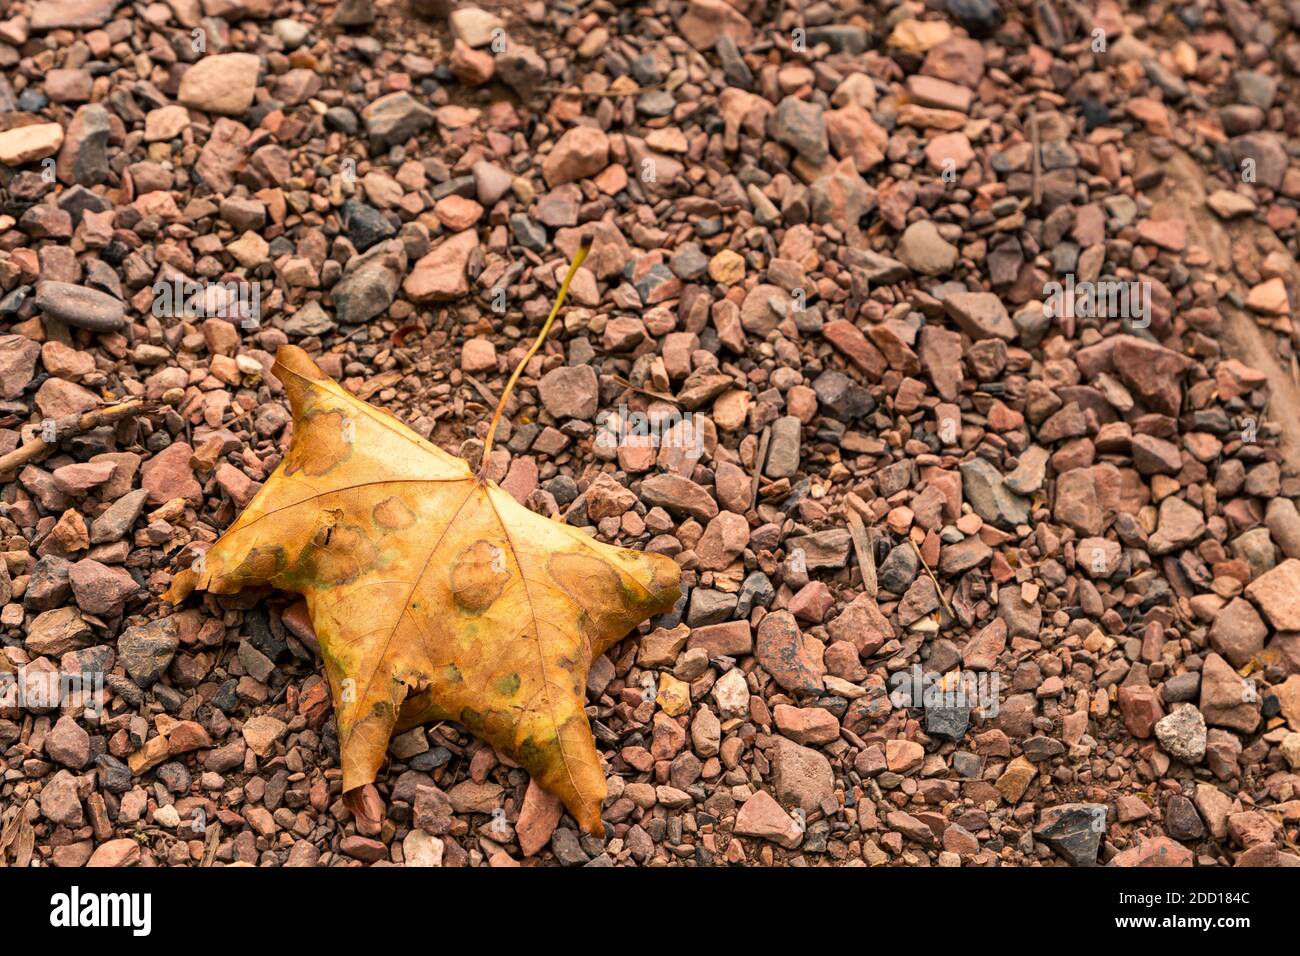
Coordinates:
434	594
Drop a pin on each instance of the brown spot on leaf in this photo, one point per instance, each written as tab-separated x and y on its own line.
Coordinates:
258	566
323	441
391	514
479	575
336	554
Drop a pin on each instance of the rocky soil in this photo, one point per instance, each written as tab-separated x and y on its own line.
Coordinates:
890	461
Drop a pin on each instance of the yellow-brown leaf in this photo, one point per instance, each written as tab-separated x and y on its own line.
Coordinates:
434	594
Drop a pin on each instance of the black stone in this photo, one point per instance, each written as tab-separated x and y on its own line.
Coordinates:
431	759
842	398
258	624
1182	822
225	699
529	234
566	847
1038	749
949	721
365	225
174	777
755	591
898	570
979	17
1074	831
1095	113
342	119
114	776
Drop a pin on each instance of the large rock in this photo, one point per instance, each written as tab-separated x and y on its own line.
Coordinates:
1277	593
791	657
704	21
581	152
923	250
147	650
570	391
18	355
369	284
101	590
474	26
223	155
1227	700
395	118
1087	499
59	801
83	159
1182	734
862	624
1238	633
1180	526
981	315
26	144
802	776
679	495
72	14
1152	371
1074	830
822	550
1158	851
762	817
801	125
1268	154
986	491
169	475
55	633
222	83
81	306
442	275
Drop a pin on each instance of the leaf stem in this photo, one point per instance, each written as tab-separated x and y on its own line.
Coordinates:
578	259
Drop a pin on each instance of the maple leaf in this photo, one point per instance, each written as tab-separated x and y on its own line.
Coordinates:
434	594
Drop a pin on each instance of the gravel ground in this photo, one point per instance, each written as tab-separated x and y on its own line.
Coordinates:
948	347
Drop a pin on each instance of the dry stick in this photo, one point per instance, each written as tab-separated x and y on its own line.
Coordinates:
562	91
484	392
1036	139
578	259
939	590
650	393
211	842
70	425
759	464
866	557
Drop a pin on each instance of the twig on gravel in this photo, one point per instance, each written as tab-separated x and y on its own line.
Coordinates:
565	91
578	258
662	396
211	842
866	557
482	389
70	425
759	462
1036	138
938	589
